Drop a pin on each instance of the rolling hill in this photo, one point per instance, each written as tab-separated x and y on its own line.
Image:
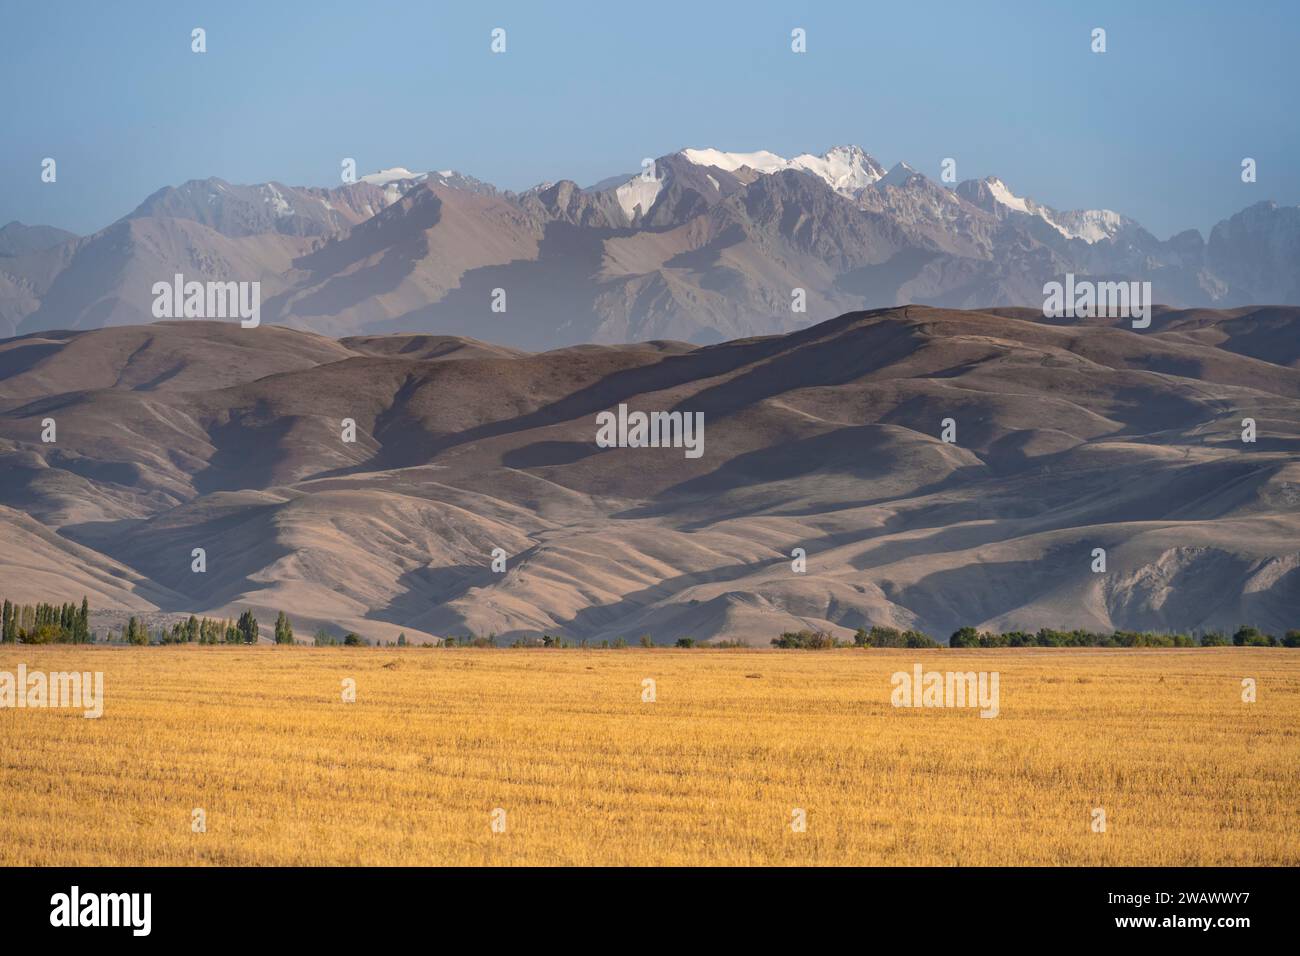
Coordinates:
178	435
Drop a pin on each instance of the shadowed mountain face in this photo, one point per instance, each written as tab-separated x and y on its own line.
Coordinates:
704	247
184	435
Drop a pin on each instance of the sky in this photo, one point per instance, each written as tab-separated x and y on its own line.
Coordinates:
1156	127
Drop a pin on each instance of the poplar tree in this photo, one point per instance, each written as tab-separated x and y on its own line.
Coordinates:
248	627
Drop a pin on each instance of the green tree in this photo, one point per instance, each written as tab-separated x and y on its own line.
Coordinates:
885	637
283	630
1247	636
81	624
646	640
964	637
247	627
805	640
135	632
915	639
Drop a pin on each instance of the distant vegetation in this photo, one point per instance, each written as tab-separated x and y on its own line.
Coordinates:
968	637
70	624
45	623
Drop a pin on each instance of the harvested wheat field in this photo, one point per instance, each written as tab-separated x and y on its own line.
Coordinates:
710	772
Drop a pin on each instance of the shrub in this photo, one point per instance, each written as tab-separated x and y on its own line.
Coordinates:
685	642
45	634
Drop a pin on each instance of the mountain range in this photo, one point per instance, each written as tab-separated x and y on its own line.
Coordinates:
1064	438
700	246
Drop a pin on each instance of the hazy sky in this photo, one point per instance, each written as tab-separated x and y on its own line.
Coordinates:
1156	127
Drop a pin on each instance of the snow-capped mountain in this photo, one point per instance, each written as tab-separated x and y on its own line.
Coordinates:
704	244
1090	225
846	169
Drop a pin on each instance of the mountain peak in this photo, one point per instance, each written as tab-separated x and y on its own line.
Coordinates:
898	175
760	160
1004	196
846	169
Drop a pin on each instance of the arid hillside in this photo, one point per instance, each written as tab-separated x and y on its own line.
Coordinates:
182	435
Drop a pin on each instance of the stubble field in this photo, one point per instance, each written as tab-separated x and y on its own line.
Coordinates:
438	742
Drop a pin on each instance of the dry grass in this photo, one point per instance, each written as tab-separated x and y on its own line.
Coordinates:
708	774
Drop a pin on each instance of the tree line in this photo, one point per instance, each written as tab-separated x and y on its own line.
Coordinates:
45	623
968	637
69	624
205	630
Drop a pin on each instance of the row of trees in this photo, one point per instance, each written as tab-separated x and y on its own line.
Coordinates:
45	623
70	624
1044	637
1244	636
195	630
876	637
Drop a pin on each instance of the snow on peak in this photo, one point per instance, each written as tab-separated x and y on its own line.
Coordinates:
1090	225
386	176
762	160
846	169
638	191
1001	194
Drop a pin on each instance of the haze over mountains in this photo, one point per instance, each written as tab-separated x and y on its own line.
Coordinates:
702	246
188	434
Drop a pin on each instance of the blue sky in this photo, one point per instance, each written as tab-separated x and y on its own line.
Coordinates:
1155	128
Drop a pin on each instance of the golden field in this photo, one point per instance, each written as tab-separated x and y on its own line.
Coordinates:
587	773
